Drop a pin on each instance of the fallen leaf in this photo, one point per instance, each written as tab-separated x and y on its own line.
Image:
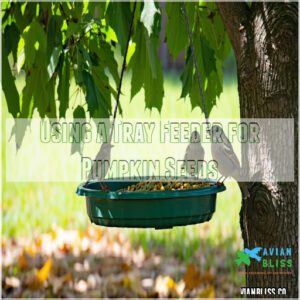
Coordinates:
38	242
34	284
22	262
172	287
207	277
147	283
43	274
81	286
93	280
37	281
191	277
58	282
126	267
30	250
106	265
53	234
92	232
12	282
133	282
65	248
208	292
180	288
67	277
165	286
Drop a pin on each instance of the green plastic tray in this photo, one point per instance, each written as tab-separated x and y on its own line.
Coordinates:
148	209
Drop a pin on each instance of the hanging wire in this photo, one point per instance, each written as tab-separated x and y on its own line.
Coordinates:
195	60
120	82
122	74
124	67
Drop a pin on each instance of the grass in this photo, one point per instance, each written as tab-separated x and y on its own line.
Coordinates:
31	208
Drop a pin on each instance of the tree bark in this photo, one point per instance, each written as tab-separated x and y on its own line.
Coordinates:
265	41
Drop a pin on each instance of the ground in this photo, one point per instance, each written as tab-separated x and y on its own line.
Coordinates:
97	262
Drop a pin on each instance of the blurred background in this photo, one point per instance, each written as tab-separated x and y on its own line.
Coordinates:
50	248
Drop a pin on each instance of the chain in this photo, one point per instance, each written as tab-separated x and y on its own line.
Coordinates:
122	74
124	67
194	60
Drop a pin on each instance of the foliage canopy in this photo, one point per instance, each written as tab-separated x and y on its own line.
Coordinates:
59	42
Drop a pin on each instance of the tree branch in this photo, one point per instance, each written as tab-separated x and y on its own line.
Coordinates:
235	17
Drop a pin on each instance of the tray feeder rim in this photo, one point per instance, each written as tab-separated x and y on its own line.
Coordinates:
83	190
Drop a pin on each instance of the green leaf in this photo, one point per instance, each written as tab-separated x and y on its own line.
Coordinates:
152	55
86	56
41	99
35	94
214	30
97	96
9	87
35	40
101	9
91	94
78	136
63	85
209	75
187	75
150	75
39	76
53	61
38	92
45	7
105	57
73	29
27	97
212	88
208	56
11	39
211	48
31	11
176	33
20	19
92	9
54	35
78	67
104	88
78	10
131	50
119	16
66	9
20	55
51	109
79	112
195	95
147	15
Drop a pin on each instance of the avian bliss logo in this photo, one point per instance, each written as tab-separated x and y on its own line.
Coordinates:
268	257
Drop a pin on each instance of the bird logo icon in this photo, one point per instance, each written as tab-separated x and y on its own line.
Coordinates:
243	257
253	253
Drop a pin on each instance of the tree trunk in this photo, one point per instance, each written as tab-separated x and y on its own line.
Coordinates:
265	41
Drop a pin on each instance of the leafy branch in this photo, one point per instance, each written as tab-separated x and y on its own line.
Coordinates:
56	43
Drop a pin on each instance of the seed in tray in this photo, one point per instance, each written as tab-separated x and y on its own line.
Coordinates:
147	186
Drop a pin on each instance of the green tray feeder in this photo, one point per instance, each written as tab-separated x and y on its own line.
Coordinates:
161	209
157	209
